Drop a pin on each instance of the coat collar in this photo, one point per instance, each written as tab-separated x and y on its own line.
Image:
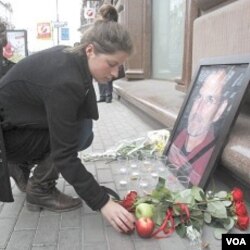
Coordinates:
82	63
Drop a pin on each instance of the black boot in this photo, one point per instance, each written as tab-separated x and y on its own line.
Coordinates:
49	197
20	173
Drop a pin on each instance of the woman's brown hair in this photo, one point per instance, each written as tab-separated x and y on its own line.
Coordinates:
108	12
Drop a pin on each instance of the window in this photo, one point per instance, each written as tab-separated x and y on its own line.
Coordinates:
168	38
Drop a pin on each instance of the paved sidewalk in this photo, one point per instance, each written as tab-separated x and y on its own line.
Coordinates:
84	229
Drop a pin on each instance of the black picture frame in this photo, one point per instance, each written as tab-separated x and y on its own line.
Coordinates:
236	77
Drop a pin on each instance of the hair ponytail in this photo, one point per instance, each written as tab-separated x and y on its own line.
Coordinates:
108	12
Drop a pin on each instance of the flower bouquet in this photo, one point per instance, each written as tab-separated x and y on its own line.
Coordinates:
153	143
162	212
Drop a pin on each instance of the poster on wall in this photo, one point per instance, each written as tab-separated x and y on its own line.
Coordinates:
65	34
16	47
44	31
89	13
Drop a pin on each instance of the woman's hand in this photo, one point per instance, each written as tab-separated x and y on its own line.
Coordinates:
118	216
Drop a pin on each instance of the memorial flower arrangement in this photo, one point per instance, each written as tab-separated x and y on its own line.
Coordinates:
162	212
153	143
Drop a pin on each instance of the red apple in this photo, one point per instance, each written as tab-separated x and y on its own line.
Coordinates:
144	227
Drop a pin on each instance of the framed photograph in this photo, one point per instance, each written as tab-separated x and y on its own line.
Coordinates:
206	117
16	47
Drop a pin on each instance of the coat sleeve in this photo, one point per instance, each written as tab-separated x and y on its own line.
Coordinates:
62	108
5	187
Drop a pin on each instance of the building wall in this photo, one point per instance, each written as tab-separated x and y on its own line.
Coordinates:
6	14
213	28
137	17
224	31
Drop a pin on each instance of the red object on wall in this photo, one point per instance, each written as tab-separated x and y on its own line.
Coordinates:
44	31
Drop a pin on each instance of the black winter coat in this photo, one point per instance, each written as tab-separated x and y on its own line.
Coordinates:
53	89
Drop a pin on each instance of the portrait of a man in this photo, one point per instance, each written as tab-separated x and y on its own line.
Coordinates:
198	130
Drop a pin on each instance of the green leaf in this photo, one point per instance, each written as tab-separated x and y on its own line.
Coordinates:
144	199
228	223
185	196
207	218
176	210
159	214
227	203
196	213
161	183
218	233
203	195
181	230
177	220
217	209
161	194
198	193
197	223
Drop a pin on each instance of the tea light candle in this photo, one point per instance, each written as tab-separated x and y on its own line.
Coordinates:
123	170
123	183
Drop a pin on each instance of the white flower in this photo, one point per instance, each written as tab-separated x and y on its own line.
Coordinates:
193	234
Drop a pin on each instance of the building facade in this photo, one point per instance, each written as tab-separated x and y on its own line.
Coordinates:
6	13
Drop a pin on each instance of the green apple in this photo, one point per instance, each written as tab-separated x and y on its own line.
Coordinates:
144	210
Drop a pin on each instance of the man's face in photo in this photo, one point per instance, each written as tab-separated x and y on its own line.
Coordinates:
207	107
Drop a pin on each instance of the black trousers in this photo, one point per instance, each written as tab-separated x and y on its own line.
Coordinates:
32	147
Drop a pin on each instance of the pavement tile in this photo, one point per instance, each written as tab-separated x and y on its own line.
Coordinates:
97	147
110	185
102	165
70	239
93	228
71	219
21	240
12	209
148	244
104	175
47	230
87	210
90	166
95	246
60	184
6	229
16	191
174	242
44	248
119	241
27	220
69	190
